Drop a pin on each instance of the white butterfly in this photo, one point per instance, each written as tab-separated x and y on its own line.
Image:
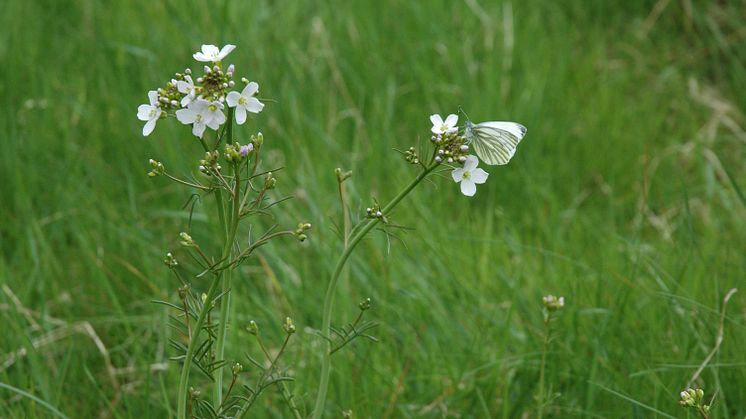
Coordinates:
494	142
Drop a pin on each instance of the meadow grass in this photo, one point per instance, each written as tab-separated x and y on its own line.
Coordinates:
626	197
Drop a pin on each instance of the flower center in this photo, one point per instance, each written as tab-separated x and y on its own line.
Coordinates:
467	174
242	101
198	118
213	107
152	113
444	127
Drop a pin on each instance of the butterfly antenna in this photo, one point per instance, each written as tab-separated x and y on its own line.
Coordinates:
461	110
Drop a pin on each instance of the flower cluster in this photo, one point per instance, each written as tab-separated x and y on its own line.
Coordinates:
553	303
694	398
201	102
452	149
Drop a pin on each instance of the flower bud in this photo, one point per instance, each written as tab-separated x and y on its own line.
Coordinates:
253	328
289	326
269	181
170	261
157	168
365	304
553	303
207	69
246	149
188	71
186	240
183	292
231	68
236	368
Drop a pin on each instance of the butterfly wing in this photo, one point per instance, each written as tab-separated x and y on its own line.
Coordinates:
495	142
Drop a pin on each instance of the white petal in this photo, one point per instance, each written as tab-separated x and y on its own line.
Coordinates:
436	120
153	96
149	127
186	100
250	89
213	124
254	105
201	57
183	87
232	98
219	117
186	116
240	115
479	176
199	105
471	163
198	129
225	51
143	112
468	187
452	120
210	50
457	174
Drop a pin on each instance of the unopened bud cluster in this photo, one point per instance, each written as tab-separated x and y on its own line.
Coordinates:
289	326
451	147
270	181
411	156
365	304
253	328
374	212
236	369
157	168
553	303
300	232
170	261
209	163
694	398
236	153
183	292
186	240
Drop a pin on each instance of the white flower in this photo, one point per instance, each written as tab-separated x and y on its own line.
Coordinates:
149	113
469	176
201	113
210	53
245	101
442	127
186	86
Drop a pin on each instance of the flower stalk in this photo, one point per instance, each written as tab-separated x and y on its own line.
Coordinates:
318	410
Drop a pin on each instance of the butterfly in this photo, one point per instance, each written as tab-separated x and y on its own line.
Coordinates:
494	142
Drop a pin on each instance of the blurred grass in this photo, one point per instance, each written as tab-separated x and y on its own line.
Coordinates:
623	198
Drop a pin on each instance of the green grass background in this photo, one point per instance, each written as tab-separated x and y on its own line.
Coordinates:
624	197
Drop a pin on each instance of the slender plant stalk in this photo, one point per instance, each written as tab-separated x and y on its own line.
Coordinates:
544	349
229	234
318	410
225	302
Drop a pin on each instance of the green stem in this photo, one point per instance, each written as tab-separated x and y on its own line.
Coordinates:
184	380
207	305
225	303
318	410
545	348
